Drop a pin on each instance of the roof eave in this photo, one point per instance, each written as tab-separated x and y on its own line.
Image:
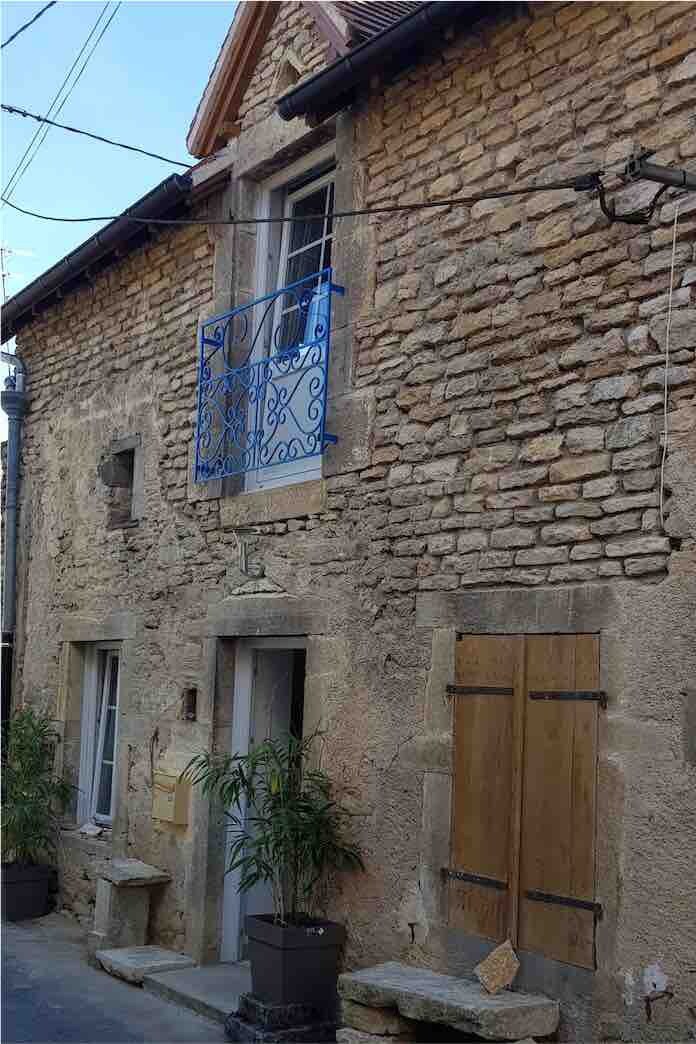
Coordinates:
329	90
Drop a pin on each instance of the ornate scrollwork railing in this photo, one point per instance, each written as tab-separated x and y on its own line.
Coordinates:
262	381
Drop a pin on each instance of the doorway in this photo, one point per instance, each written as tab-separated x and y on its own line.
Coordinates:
268	704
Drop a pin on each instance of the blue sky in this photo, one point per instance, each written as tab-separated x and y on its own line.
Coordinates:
141	86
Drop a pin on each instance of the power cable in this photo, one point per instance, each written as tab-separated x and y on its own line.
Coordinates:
88	134
27	24
581	183
71	88
41	132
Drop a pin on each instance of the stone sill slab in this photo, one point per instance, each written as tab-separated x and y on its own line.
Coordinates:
132	873
427	996
133	963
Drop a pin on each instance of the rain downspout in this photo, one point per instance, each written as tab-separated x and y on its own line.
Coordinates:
14	403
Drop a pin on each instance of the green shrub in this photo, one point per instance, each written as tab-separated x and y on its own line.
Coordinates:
32	797
286	827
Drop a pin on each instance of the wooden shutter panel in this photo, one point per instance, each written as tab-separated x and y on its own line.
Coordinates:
557	848
485	736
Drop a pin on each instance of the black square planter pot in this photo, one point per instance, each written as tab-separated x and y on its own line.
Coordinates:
294	964
24	891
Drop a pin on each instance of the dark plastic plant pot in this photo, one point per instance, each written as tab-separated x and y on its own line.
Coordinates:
24	891
295	964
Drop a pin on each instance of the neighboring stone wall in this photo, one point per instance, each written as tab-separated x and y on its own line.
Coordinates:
295	32
517	347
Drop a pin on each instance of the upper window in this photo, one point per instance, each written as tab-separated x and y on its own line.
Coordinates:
264	366
305	248
99	734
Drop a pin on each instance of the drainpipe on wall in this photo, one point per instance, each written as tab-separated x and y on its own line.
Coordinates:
14	403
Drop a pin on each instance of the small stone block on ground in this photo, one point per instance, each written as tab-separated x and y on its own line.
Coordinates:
348	1035
133	963
498	970
381	1022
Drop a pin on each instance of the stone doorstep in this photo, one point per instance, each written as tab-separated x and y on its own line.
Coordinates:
133	963
132	873
427	996
212	990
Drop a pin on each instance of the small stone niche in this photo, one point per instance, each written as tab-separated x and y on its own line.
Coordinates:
120	469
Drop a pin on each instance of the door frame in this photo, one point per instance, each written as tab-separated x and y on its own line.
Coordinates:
245	650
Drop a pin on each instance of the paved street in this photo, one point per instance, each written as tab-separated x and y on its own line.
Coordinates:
50	993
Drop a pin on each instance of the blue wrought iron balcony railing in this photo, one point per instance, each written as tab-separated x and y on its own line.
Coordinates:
262	381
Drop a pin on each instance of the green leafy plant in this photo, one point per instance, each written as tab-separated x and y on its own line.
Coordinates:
286	826
32	797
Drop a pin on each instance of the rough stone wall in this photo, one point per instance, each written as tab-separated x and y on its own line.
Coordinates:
521	451
114	359
294	31
517	347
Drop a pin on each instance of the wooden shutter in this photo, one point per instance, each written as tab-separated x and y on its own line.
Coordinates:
482	879
557	849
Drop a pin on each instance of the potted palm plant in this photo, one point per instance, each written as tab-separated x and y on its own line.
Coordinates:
287	829
32	800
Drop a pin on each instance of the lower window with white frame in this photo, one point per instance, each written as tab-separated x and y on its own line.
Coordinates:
99	734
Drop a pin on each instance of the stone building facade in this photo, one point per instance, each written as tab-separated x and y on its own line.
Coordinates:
497	388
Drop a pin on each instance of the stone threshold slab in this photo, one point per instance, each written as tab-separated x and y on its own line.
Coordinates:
428	996
133	963
212	990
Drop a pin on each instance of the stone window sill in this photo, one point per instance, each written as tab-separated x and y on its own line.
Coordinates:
274	505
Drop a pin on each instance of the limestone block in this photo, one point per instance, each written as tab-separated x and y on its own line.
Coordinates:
348	1035
381	1021
499	968
121	914
132	872
133	963
427	996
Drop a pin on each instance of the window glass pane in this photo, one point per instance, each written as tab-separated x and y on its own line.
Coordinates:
103	807
109	735
304	232
103	779
304	264
329	223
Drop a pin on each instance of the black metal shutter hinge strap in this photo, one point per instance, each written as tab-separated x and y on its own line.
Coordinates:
479	690
464	875
565	900
591	695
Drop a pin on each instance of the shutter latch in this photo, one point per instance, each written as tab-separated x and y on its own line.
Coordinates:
464	875
593	695
565	900
479	690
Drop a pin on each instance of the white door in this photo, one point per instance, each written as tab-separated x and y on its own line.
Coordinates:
262	710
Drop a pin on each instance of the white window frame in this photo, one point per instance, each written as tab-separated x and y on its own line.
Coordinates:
303	470
91	744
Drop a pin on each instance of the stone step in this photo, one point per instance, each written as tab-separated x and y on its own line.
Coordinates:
133	963
426	996
212	990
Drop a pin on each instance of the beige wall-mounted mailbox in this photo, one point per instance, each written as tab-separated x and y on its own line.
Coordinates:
170	799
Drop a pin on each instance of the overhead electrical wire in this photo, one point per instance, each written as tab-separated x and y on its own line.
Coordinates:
88	134
27	24
581	183
40	136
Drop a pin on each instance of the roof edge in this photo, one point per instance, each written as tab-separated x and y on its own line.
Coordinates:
323	94
231	73
163	198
